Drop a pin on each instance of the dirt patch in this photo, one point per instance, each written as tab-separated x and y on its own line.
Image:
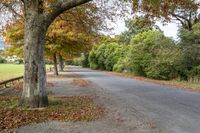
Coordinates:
75	108
80	82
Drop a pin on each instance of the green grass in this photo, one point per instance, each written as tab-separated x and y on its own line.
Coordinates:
194	86
8	71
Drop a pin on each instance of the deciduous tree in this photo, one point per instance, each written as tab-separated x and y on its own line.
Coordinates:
38	15
184	11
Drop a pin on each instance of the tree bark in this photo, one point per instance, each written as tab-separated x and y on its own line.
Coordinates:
36	24
34	87
61	65
55	64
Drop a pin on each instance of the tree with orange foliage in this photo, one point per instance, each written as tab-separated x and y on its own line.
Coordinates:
38	16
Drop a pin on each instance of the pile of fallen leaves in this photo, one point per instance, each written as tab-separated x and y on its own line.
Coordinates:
75	108
80	82
19	85
62	76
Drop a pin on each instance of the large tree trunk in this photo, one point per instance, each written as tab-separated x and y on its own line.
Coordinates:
61	65
55	64
36	24
34	88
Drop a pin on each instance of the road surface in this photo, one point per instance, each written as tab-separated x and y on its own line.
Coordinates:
174	110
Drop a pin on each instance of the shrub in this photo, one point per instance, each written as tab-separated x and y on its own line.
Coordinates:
69	62
84	60
141	52
105	56
2	60
18	61
121	66
149	54
154	55
190	44
112	53
77	61
100	56
93	59
167	62
195	71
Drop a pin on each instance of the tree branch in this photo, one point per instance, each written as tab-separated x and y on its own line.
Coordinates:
61	6
189	25
9	6
181	21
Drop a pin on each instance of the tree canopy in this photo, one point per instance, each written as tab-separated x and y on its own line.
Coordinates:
184	11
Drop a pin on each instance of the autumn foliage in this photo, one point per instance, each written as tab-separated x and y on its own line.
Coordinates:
74	108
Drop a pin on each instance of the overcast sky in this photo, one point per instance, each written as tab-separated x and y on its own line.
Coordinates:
169	29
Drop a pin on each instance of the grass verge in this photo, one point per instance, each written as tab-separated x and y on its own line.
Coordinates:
75	108
184	85
8	71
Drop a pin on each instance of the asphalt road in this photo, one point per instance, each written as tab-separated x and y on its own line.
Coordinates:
174	110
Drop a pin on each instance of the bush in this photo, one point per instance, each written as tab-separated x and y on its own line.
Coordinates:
154	55
190	44
112	53
69	62
93	59
2	60
105	56
100	56
84	60
195	71
77	62
121	65
141	51
18	61
81	61
149	54
167	62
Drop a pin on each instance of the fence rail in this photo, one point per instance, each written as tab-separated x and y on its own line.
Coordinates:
10	80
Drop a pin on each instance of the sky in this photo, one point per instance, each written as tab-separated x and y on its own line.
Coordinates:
170	29
1	45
